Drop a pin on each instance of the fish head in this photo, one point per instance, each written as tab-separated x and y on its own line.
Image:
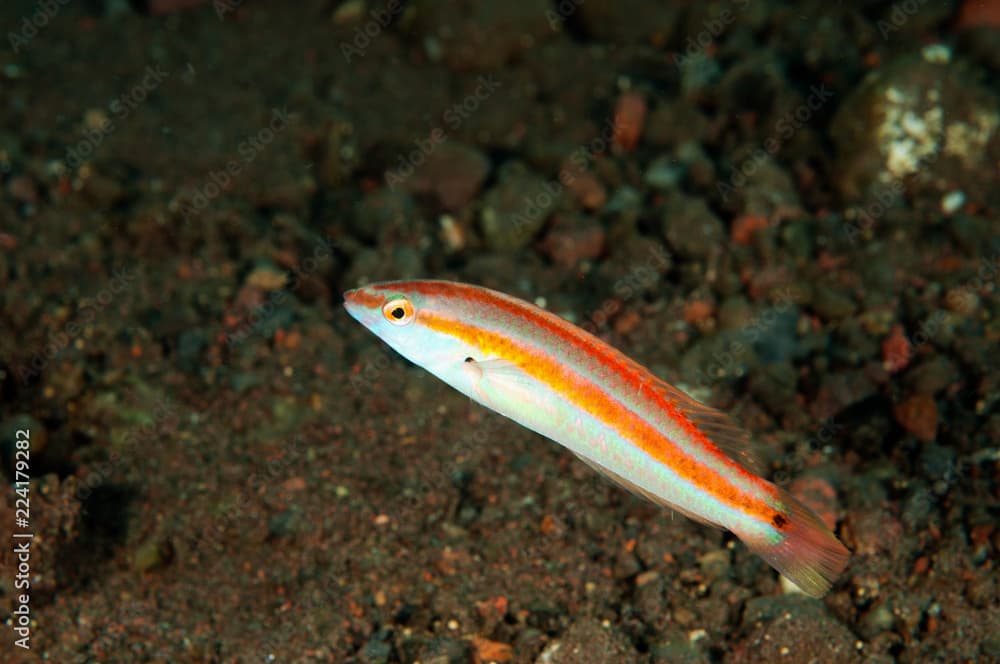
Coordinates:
402	314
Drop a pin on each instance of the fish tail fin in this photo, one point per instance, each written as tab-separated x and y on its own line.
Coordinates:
801	547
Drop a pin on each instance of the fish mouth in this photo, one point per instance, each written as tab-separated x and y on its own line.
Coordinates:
363	303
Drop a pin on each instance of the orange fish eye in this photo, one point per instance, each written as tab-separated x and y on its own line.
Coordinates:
398	311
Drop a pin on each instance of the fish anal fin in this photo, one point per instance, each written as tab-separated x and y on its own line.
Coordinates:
641	492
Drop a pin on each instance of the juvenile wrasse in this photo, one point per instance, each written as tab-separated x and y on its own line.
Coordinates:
558	380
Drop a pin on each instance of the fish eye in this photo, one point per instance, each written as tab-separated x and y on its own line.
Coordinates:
398	311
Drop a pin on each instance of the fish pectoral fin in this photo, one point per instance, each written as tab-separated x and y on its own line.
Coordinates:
499	382
641	492
497	369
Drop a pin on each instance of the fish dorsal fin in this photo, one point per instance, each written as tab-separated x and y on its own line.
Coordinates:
722	430
642	493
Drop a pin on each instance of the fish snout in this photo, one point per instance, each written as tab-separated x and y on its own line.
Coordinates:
364	304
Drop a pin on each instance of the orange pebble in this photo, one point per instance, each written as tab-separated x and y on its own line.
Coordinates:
549	525
292	339
918	414
494	606
697	311
490	651
896	350
588	190
744	227
630	118
627	322
979	14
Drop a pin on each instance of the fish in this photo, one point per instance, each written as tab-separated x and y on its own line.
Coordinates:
560	381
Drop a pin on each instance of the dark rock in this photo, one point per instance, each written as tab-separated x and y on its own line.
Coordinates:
190	344
388	217
794	629
839	390
758	186
625	21
922	119
939	465
876	620
673	123
734	313
772	332
678	649
451	171
588	641
852	344
377	650
517	207
103	191
573	239
723	357
831	304
482	35
691	228
775	387
931	375
444	650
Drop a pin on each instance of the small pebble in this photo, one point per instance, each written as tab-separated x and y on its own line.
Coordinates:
918	414
629	120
